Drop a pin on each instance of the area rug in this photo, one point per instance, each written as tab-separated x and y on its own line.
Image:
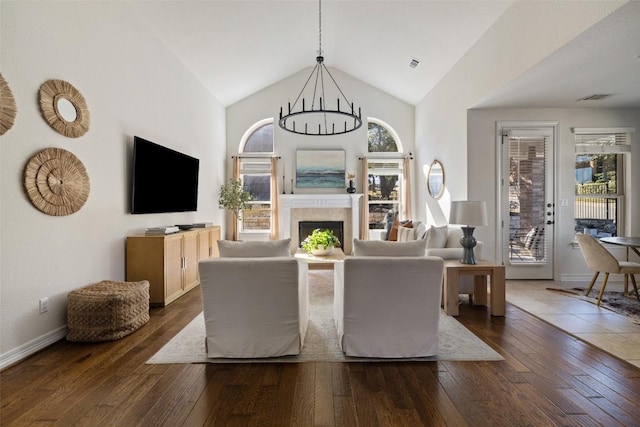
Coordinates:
611	300
321	343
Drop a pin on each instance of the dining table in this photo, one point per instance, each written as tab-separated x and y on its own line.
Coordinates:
631	243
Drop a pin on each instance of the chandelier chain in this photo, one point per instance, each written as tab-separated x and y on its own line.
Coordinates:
320	27
320	114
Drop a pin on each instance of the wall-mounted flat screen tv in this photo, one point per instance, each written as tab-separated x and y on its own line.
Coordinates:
164	180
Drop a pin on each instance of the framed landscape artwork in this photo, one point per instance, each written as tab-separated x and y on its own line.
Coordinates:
320	168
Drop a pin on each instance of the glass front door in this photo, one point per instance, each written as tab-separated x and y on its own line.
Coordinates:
527	203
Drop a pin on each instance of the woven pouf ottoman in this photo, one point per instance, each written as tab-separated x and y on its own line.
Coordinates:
107	310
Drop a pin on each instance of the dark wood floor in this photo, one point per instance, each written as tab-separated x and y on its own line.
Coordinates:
547	378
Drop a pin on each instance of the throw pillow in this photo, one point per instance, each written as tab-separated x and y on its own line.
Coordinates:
390	217
421	231
386	248
393	234
453	238
437	237
272	248
405	233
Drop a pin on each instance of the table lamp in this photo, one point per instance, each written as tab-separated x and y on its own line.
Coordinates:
469	214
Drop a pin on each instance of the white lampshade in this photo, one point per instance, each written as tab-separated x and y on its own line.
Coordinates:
473	213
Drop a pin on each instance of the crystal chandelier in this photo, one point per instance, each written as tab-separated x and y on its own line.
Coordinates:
316	117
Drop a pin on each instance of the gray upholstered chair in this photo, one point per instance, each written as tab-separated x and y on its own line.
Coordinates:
600	260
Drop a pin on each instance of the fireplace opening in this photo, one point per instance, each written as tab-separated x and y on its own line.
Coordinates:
305	228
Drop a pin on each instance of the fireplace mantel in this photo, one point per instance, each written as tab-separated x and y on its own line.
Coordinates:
347	202
292	201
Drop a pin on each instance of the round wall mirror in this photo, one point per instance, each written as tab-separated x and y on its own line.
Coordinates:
7	107
64	108
435	179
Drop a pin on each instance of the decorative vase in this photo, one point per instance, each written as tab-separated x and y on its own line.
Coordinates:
321	251
351	188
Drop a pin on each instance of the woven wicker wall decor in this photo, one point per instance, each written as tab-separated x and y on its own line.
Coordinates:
8	108
56	182
52	94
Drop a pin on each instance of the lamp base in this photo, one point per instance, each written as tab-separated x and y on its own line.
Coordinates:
468	242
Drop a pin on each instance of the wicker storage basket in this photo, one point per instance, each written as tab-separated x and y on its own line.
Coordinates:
107	310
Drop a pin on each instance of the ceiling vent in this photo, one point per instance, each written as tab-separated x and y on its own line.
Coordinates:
596	97
414	63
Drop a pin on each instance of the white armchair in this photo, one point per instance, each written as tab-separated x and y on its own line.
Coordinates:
254	307
388	306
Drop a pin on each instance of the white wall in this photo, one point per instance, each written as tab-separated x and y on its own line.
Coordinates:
510	47
133	86
569	264
266	103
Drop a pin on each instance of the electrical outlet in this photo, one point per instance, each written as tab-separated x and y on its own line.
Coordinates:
44	305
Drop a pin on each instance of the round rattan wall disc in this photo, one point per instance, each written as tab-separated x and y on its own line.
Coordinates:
55	92
8	108
56	182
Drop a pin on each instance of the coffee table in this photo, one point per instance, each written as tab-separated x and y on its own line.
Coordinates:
453	269
336	256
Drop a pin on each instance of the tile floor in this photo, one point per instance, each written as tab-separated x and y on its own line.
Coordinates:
601	327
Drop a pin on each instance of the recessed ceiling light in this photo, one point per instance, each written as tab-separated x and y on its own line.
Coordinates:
414	63
595	97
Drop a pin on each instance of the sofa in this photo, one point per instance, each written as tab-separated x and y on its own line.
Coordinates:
387	300
441	241
255	300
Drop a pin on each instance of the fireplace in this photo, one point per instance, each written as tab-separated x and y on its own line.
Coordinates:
306	227
295	208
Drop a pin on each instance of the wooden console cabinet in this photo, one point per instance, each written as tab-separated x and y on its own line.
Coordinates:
170	262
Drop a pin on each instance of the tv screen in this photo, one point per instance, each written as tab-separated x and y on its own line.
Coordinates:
164	180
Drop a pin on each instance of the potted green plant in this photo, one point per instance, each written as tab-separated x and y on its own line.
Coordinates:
320	242
234	198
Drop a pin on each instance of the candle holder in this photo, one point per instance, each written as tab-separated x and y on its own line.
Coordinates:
351	188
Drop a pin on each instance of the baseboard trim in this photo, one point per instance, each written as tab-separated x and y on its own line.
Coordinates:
20	353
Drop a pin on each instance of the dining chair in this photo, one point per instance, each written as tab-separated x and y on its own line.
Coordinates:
600	260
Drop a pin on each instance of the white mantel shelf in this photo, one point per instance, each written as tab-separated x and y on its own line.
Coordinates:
319	201
292	201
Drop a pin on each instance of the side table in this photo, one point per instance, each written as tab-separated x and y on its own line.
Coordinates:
454	269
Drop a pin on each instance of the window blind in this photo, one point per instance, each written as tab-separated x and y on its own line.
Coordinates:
603	140
385	167
254	166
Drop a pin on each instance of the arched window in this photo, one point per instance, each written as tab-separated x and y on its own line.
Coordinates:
385	176
381	139
258	138
255	174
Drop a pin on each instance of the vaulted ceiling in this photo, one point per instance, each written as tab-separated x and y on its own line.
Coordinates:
236	48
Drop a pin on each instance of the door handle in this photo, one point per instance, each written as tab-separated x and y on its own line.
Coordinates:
550	222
